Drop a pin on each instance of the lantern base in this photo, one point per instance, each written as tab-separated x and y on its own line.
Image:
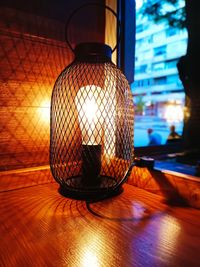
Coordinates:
80	192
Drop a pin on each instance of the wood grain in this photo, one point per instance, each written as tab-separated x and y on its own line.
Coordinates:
22	178
176	189
38	227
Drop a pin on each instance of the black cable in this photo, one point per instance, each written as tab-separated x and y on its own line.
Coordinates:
140	162
92	4
115	188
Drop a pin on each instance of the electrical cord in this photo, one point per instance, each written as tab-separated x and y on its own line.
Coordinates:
140	162
115	188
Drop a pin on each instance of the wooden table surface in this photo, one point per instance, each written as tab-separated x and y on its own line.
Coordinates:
38	227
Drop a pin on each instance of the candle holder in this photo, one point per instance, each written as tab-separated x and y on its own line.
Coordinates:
91	131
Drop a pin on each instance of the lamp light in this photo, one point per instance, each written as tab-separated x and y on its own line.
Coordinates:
89	103
91	133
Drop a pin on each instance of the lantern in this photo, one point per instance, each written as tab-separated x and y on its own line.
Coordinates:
91	131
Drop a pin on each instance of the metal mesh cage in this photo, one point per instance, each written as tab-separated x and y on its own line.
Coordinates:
91	141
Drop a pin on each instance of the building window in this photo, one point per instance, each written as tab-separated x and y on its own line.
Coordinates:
160	51
172	78
139	28
160	80
159	66
141	69
170	64
171	32
147	40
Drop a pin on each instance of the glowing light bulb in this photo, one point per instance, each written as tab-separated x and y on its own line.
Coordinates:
89	105
90	109
89	101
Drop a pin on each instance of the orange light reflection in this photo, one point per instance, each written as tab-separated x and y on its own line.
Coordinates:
168	236
90	259
44	111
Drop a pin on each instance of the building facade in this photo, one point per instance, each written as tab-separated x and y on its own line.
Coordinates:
158	93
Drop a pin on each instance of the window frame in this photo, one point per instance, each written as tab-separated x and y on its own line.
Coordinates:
126	11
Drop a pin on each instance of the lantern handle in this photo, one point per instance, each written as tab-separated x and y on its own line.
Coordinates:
92	4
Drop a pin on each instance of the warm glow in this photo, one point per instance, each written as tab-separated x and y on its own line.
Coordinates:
169	231
89	103
90	109
90	259
110	118
186	113
96	114
173	113
91	253
44	111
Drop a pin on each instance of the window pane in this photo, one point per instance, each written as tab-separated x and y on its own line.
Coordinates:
161	50
159	96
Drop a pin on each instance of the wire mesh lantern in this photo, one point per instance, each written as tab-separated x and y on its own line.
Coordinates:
91	133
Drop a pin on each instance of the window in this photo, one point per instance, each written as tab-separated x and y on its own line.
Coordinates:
159	51
158	93
139	43
171	32
143	83
170	64
147	40
159	66
172	78
160	80
139	28
143	68
140	69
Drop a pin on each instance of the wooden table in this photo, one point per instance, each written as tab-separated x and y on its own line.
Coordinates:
38	227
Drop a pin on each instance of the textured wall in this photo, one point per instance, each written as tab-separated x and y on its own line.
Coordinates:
32	54
30	63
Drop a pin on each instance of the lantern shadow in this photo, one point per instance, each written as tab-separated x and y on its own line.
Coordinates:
122	209
168	190
157	182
